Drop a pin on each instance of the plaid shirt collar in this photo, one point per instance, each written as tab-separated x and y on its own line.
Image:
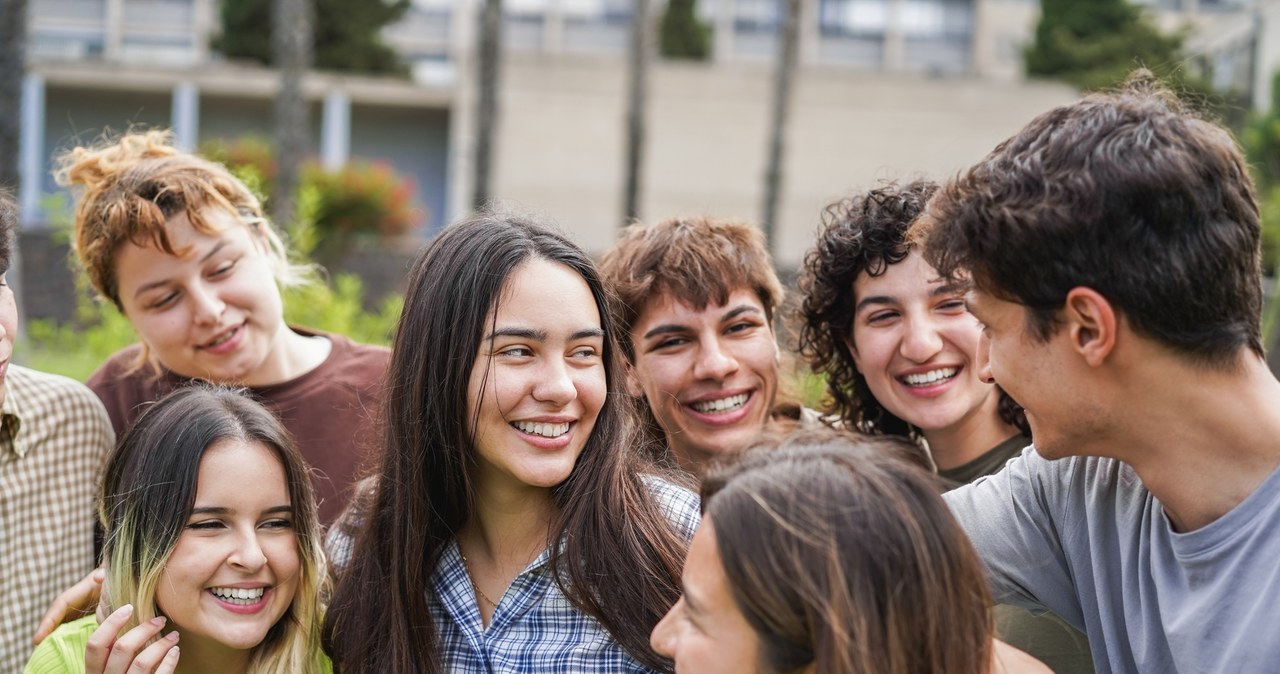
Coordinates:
10	424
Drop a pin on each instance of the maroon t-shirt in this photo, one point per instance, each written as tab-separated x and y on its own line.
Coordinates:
331	411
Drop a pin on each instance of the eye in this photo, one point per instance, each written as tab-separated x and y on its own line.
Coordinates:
165	301
278	523
881	317
584	352
670	342
223	269
740	326
952	306
206	525
517	352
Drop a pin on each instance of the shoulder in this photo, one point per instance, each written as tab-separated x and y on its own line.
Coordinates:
63	651
681	506
352	361
42	393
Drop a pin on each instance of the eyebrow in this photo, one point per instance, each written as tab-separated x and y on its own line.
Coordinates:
222	243
943	289
541	335
218	510
668	328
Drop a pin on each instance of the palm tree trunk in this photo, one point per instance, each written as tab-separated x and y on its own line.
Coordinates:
489	54
291	42
13	45
788	44
638	77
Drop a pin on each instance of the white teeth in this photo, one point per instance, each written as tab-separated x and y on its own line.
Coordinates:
722	405
926	378
229	334
236	595
545	430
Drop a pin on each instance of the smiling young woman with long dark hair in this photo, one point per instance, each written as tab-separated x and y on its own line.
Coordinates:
512	523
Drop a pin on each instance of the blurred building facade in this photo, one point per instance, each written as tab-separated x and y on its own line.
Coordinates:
885	89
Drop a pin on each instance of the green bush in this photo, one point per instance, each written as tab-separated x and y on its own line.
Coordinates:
682	35
362	202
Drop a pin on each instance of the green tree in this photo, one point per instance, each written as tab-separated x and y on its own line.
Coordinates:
347	34
683	35
1093	44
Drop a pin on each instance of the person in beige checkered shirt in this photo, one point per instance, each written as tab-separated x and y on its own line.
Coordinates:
54	436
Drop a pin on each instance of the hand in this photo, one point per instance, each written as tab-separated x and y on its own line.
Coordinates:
110	652
76	602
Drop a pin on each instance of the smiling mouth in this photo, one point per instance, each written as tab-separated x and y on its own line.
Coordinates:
240	596
541	429
721	405
929	378
223	338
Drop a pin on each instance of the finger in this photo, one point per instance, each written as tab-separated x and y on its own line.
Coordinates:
152	657
76	601
130	644
170	663
98	648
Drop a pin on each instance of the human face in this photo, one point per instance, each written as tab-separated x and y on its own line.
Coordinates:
914	342
8	329
214	310
538	379
705	631
239	539
709	375
1038	374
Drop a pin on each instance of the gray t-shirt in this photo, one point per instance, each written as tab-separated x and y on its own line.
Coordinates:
1082	537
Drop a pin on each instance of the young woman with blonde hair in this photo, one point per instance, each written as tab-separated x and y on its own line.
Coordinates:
213	554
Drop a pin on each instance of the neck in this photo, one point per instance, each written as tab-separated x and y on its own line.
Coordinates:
202	656
292	355
972	436
510	526
1205	443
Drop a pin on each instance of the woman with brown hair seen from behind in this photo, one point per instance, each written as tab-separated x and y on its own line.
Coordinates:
513	524
182	248
899	352
828	553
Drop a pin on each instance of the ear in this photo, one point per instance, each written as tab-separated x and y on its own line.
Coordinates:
633	385
1091	324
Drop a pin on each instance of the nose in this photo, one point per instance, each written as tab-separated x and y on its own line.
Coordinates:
713	362
556	384
983	359
247	554
921	340
663	638
207	305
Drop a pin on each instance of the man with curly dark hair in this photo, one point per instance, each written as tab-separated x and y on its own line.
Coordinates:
1112	249
898	351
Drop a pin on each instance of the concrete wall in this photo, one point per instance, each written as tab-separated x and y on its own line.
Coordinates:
560	146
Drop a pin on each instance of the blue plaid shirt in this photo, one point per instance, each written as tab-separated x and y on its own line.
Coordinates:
534	628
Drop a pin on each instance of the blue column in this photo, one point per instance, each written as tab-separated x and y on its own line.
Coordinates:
31	161
335	130
185	116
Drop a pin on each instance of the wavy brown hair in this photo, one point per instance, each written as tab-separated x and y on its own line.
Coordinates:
1129	193
841	554
863	233
621	557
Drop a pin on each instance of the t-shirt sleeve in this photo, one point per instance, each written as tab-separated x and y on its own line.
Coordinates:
1014	519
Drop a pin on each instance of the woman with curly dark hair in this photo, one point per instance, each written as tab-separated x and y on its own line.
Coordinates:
898	349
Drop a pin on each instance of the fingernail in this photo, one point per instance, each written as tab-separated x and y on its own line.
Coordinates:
158	621
172	636
125	610
173	653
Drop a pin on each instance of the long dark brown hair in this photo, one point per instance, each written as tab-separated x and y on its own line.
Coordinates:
621	558
840	553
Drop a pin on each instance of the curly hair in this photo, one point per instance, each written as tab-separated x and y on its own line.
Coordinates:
863	233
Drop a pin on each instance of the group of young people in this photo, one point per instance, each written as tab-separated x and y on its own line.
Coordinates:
579	467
